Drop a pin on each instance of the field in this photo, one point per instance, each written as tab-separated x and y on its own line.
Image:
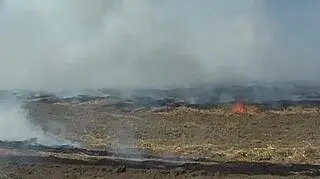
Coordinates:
289	136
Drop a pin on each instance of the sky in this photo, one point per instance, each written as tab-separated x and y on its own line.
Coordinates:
297	21
59	44
296	32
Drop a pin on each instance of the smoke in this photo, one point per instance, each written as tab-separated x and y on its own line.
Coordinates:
102	43
77	44
16	126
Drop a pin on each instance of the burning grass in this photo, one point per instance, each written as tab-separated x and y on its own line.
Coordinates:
219	134
215	133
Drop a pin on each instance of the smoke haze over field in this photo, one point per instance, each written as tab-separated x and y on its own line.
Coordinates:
83	43
15	126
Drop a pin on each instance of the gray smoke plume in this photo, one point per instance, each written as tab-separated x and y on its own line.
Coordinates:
82	43
15	125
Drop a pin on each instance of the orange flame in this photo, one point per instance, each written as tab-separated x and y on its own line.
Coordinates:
238	108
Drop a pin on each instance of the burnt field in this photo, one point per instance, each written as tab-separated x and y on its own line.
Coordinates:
170	134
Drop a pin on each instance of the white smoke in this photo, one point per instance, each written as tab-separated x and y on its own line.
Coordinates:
82	43
15	126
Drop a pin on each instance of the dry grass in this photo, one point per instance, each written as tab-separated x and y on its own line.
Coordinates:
250	110
297	110
271	153
95	142
257	135
221	111
269	150
307	154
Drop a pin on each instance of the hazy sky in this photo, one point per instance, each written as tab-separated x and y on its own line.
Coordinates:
84	43
296	28
297	21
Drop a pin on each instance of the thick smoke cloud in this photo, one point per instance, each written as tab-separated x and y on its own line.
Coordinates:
56	44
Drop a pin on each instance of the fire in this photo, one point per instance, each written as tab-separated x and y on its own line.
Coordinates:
238	108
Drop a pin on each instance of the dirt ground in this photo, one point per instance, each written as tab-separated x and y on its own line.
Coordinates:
87	172
290	136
